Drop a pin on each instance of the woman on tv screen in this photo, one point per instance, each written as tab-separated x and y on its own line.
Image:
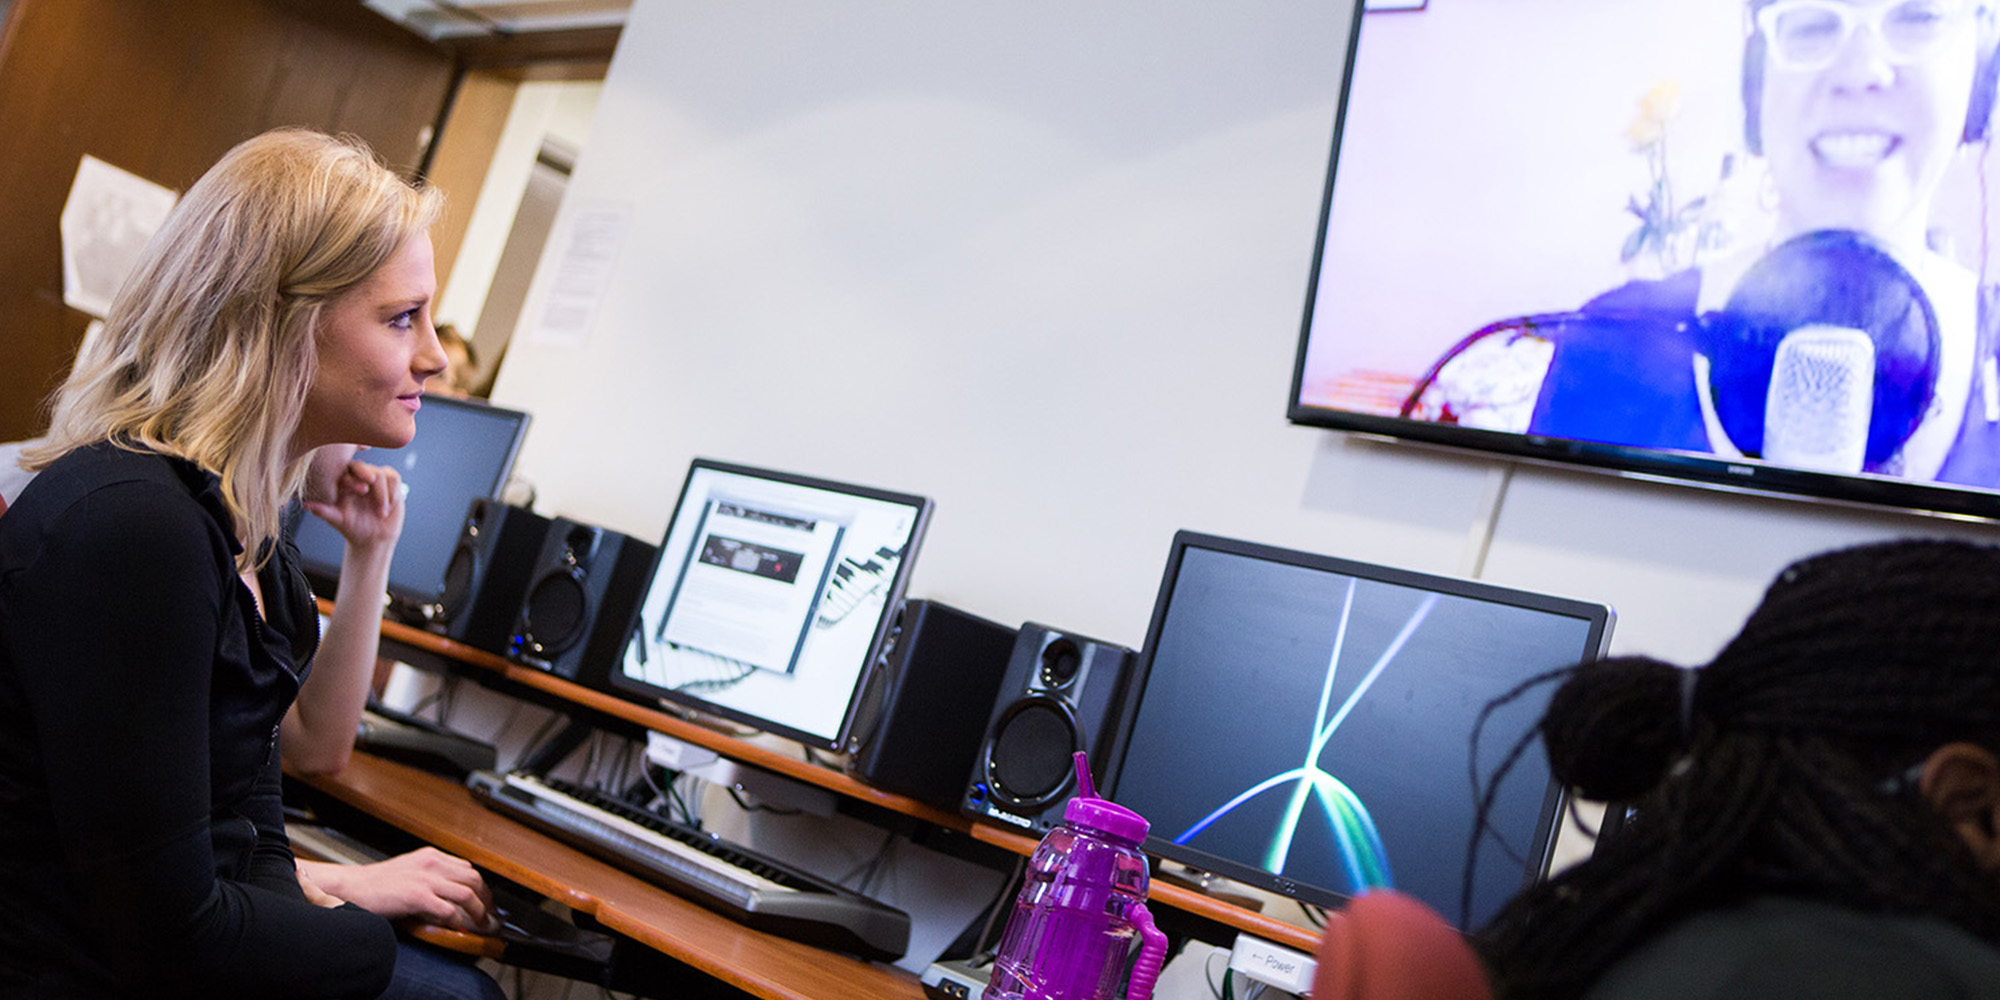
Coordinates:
1798	270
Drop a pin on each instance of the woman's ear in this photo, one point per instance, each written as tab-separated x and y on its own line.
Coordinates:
1962	782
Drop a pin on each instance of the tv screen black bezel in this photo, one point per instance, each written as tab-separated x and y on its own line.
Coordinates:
1601	619
1737	475
406	604
619	683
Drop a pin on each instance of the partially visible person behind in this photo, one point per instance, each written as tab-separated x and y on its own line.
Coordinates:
461	372
153	631
1816	812
13	478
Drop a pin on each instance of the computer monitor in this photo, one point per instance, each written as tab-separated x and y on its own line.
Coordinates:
771	595
464	449
1303	723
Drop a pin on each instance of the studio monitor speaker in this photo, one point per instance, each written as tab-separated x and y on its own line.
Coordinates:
488	573
1062	693
924	705
578	602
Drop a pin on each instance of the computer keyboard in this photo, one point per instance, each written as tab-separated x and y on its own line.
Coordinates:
750	888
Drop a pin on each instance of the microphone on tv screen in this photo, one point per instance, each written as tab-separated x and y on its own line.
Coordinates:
1817	411
1827	344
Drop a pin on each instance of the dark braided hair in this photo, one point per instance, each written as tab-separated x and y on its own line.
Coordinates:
1777	771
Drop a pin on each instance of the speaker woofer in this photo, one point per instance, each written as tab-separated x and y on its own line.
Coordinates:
555	613
458	579
1028	763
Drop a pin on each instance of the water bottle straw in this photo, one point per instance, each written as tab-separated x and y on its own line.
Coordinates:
1152	956
1083	784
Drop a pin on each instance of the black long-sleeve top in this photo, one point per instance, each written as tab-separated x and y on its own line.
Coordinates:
142	846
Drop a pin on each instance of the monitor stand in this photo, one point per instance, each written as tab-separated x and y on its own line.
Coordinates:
712	723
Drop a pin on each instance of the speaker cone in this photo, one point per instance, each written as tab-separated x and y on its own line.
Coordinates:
457	597
555	613
1028	764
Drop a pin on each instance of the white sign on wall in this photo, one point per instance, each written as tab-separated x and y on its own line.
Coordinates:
106	222
581	272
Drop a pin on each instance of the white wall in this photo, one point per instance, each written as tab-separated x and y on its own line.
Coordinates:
1044	261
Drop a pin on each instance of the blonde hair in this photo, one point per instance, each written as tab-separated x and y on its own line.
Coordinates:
209	348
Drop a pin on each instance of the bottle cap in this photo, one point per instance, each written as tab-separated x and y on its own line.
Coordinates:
1108	816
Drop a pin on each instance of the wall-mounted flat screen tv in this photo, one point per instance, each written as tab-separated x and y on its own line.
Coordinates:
1741	243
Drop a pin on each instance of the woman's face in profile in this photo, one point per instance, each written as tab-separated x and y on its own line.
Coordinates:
377	348
1864	106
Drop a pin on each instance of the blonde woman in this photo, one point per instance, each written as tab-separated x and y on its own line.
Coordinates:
153	630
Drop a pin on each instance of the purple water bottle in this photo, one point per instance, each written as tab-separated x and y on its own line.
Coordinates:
1083	899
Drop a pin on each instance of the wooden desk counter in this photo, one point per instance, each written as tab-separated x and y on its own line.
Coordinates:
747	959
1271	929
770	760
1255	924
445	813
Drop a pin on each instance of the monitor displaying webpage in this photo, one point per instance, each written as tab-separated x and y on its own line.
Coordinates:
751	581
769	596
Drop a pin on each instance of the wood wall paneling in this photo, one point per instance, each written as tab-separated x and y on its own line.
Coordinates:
163	90
464	151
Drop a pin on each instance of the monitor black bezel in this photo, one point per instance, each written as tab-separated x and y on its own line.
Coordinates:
407	604
1738	475
632	689
1600	617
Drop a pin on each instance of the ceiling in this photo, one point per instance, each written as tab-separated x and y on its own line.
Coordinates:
526	39
454	20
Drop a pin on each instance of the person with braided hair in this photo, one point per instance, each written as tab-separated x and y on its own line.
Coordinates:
1814	813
